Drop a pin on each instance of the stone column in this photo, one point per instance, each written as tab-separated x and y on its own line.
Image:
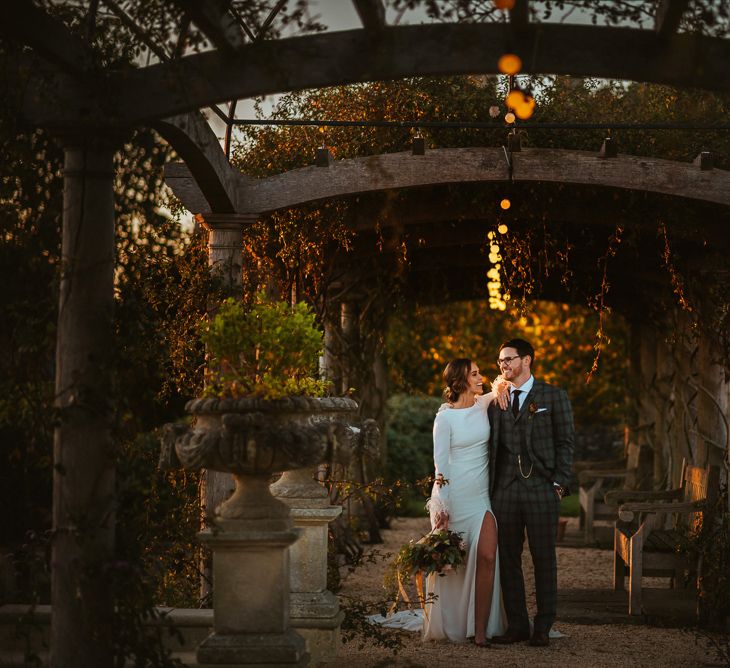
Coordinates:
225	258
83	471
315	611
329	364
225	247
349	355
251	625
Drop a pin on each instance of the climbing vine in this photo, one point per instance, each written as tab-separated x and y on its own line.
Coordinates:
599	301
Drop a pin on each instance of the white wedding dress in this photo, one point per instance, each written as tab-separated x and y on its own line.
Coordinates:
461	455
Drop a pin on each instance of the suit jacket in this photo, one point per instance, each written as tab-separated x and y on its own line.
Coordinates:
547	418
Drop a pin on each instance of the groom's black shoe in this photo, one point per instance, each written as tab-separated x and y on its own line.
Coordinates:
511	637
540	639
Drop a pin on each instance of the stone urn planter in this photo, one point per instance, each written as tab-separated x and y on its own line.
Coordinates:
252	530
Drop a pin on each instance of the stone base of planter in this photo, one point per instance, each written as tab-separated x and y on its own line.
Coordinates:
251	650
317	618
251	592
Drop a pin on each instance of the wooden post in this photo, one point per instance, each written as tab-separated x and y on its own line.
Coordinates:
676	449
664	413
83	473
647	409
633	381
380	398
685	356
711	413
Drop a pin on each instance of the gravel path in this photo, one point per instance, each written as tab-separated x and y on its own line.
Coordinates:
600	645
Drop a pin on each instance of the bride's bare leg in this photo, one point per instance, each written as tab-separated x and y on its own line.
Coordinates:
484	584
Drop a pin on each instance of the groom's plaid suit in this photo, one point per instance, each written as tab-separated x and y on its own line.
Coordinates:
542	435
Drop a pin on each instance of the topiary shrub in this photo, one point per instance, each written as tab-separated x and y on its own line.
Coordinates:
268	350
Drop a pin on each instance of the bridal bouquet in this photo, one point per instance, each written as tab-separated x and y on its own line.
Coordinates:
439	551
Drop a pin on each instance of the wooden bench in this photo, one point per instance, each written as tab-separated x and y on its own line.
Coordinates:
595	478
648	532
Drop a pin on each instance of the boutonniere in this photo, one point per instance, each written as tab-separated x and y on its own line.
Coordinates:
533	409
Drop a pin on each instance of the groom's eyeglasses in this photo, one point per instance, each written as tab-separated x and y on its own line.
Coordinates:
507	360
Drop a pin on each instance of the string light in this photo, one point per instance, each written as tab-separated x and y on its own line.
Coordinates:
515	98
509	63
497	301
521	103
526	108
505	204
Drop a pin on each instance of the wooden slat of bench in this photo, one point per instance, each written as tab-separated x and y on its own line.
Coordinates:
663	540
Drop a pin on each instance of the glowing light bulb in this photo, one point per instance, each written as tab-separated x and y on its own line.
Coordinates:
509	63
509	117
525	109
505	204
502	229
515	98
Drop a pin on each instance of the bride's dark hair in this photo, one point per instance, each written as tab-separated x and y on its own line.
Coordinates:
456	377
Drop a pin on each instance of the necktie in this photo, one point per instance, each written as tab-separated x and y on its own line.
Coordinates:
516	402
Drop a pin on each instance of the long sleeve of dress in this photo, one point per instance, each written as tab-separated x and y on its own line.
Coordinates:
441	445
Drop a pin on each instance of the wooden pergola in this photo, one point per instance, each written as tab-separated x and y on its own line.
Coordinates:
62	84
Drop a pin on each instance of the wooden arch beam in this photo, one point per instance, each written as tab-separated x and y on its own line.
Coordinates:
206	182
394	171
217	23
371	13
24	22
394	52
668	15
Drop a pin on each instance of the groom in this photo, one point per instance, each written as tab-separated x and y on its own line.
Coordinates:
531	451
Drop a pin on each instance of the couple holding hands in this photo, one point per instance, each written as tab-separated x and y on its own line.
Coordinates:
502	465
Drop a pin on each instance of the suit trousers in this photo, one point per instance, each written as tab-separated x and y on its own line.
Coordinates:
536	508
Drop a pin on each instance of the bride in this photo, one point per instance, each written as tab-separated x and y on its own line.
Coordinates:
468	602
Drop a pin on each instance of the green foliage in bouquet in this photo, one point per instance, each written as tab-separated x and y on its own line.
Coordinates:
437	552
267	350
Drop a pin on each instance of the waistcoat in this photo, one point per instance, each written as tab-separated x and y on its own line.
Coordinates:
511	438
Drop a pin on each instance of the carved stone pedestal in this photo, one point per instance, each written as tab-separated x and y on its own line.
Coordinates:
253	532
315	611
251	574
